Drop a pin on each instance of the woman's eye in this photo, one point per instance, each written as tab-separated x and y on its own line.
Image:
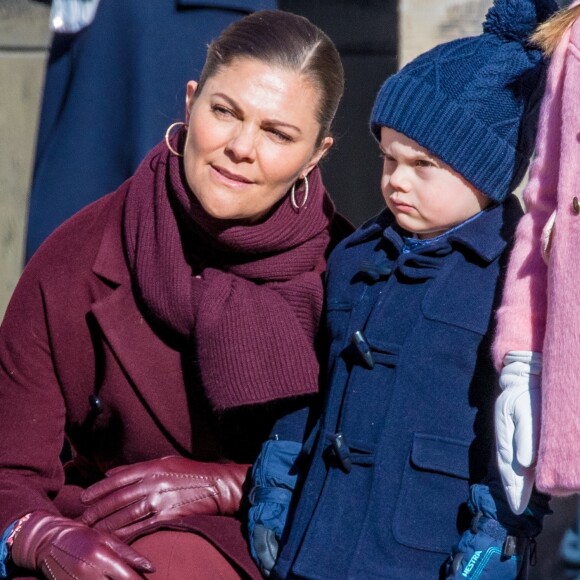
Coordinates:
222	111
279	136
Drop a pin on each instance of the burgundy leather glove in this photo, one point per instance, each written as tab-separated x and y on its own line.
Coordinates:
62	549
134	497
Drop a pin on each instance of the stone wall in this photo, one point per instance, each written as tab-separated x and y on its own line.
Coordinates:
425	23
24	37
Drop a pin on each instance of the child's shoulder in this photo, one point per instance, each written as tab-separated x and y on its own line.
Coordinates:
490	233
367	232
346	258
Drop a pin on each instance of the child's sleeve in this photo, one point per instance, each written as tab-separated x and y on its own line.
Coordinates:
274	477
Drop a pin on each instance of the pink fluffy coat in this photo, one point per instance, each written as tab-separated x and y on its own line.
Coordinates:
541	304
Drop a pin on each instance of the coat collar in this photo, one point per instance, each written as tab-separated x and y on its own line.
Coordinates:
372	229
110	263
487	236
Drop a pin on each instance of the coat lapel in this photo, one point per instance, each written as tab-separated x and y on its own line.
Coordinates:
153	367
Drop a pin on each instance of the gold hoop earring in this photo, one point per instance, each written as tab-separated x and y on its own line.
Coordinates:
293	195
167	138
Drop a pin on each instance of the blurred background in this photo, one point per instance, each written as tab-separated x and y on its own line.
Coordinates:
374	37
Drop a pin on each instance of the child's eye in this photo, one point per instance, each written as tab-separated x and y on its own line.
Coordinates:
424	163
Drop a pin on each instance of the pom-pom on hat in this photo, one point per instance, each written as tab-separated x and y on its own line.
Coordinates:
474	102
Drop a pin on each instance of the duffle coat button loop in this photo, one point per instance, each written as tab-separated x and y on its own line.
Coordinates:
362	346
342	452
576	205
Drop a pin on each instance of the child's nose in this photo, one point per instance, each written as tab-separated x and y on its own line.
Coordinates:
398	179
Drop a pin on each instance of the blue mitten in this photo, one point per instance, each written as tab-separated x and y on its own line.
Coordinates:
487	552
273	481
499	544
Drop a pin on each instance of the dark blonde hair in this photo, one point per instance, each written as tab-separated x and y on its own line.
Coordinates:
548	34
288	41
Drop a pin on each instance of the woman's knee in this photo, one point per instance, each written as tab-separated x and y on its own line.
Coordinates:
184	556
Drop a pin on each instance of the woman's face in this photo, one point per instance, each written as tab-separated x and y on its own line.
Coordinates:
251	134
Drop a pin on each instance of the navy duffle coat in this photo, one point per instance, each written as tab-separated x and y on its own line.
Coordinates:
387	498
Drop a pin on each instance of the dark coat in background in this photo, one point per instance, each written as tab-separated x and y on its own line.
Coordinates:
111	91
417	426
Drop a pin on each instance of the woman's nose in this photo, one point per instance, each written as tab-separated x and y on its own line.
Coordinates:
242	145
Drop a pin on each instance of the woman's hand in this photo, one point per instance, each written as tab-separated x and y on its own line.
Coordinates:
62	549
137	496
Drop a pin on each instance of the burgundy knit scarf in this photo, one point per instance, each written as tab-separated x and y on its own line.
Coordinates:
248	296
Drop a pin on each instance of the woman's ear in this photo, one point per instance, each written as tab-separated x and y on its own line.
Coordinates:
191	90
318	155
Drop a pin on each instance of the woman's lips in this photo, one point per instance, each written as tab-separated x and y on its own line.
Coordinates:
229	177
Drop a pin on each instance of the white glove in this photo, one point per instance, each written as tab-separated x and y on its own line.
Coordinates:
517	425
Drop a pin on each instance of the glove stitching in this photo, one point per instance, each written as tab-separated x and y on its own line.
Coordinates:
185	502
184	475
63	567
71	555
48	568
188	488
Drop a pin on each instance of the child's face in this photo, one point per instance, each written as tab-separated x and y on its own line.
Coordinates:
426	196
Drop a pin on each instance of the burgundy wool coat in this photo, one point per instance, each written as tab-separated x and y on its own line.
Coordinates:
72	332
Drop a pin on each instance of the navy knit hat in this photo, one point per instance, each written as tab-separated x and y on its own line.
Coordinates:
474	102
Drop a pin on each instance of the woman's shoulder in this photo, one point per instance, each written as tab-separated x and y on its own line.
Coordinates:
81	235
58	275
73	246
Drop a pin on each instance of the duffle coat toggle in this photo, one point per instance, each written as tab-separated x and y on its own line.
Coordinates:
341	451
344	455
364	350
